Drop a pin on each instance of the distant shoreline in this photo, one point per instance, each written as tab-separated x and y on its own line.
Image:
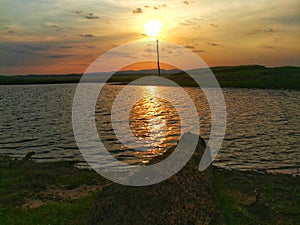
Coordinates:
251	76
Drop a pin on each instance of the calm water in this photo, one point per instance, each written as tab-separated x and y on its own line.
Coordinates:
263	130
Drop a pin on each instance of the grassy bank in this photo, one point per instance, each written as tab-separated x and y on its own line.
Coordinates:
279	201
59	193
252	76
46	193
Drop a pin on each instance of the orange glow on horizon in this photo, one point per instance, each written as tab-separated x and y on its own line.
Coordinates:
148	65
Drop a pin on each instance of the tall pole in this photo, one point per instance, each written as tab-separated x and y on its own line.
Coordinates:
157	51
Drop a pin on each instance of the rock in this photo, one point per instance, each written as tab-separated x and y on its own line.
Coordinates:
185	198
28	156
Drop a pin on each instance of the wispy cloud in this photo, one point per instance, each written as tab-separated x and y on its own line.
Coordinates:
55	26
85	15
91	16
87	35
8	30
79	12
266	31
189	46
213	44
59	56
137	11
199	50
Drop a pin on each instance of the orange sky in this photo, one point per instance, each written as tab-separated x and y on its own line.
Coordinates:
147	65
66	36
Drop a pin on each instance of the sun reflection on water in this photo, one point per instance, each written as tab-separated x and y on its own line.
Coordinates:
153	120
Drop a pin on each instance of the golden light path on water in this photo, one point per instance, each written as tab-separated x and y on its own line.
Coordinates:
154	121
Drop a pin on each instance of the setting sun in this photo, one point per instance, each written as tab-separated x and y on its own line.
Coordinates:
153	27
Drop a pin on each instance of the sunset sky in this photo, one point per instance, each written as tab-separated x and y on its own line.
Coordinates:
66	36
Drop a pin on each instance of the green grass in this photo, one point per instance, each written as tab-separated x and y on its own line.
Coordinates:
279	202
29	180
73	212
234	194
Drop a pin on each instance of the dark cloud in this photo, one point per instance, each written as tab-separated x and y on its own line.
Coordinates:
189	46
8	30
22	54
156	7
267	30
186	2
79	12
25	52
91	16
198	50
65	47
58	56
213	44
137	11
213	25
86	35
37	47
52	25
147	6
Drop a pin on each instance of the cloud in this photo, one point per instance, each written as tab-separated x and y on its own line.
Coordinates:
86	35
79	12
267	30
194	21
213	25
91	16
213	44
58	56
189	46
65	47
8	30
156	7
137	11
52	25
120	55
198	50
24	52
36	47
186	2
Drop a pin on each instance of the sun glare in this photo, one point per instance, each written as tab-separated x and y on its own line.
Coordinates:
153	27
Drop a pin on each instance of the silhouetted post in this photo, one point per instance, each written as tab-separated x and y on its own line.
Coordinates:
157	51
257	194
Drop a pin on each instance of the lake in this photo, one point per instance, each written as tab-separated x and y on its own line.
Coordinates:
263	130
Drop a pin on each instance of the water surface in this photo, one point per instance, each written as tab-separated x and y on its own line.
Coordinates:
262	130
